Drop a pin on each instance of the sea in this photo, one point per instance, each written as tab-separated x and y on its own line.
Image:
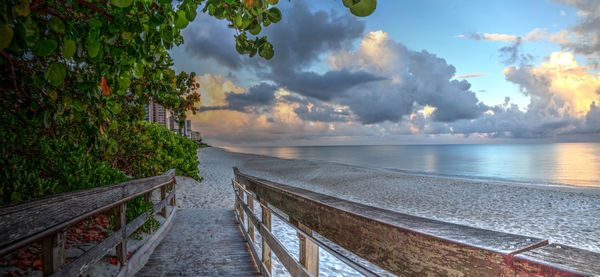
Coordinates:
569	164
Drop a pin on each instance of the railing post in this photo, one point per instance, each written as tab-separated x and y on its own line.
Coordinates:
163	195
148	197
250	225
173	200
120	223
309	251
53	248
266	250
241	194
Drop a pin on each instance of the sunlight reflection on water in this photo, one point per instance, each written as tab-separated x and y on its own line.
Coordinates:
557	163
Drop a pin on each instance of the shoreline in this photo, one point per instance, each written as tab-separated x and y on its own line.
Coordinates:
490	180
516	179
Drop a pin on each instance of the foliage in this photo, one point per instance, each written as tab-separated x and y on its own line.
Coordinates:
51	166
149	149
137	207
75	76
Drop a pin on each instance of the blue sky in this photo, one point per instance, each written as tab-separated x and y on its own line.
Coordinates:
387	78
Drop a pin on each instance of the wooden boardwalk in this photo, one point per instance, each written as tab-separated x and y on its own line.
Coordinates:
201	242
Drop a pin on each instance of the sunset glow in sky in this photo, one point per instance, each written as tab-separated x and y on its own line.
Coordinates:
426	72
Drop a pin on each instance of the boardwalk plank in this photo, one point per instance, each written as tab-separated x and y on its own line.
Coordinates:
202	242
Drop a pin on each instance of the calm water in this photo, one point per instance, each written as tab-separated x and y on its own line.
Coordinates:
559	163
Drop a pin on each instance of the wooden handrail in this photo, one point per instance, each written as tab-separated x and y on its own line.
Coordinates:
408	245
307	260
48	217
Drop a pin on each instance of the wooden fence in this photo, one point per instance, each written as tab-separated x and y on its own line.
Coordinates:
46	219
398	243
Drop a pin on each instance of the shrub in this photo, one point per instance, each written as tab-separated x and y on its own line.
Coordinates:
149	149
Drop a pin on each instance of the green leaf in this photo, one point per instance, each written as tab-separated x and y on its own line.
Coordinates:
68	49
190	10
166	33
93	47
126	35
266	51
115	108
6	35
348	3
95	24
55	74
22	8
44	47
124	82
180	20
239	21
274	15
138	70
127	60
29	31
364	8
121	3
56	25
254	29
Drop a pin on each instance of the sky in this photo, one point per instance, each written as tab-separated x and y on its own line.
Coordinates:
414	72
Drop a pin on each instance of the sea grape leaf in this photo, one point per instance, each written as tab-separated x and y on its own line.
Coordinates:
44	47
180	20
93	47
274	15
6	35
68	49
56	25
22	8
266	51
364	8
121	3
55	73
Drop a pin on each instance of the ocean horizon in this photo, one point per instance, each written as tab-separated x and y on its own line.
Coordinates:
568	164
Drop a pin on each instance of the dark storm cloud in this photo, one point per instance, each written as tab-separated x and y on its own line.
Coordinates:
324	87
414	79
321	113
207	38
302	36
259	95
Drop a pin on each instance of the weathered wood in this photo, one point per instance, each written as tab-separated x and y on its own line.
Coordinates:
266	250
82	263
163	194
201	243
290	264
25	222
148	197
121	222
263	270
53	247
173	188
309	251
400	243
241	202
356	265
250	226
555	259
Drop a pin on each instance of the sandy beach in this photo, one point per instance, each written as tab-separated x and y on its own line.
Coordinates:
567	215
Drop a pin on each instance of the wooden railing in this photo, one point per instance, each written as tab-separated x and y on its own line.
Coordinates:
396	243
46	219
